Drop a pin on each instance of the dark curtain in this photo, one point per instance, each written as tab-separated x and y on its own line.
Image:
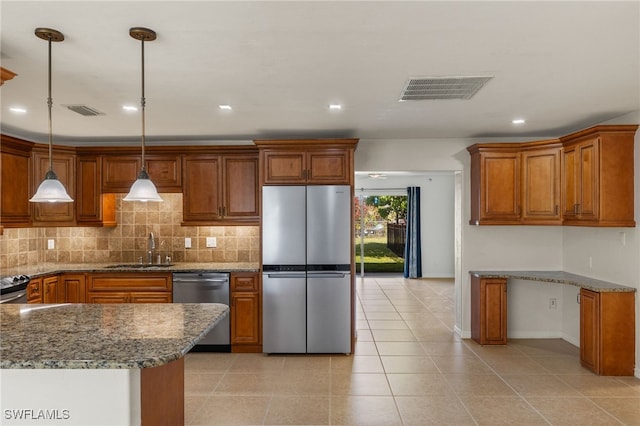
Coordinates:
412	251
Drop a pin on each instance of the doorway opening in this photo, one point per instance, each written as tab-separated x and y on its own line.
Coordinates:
380	232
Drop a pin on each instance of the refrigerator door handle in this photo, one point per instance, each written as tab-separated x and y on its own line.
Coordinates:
326	274
287	275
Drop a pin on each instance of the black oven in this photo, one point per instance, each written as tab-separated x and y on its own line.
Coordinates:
13	289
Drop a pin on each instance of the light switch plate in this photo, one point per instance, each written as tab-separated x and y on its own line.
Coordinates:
212	242
51	244
187	242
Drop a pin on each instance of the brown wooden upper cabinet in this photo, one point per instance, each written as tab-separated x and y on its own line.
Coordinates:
64	165
308	161
514	184
93	208
597	178
120	171
585	178
220	189
15	174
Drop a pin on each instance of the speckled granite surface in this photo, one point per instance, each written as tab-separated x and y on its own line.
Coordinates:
102	336
559	277
35	271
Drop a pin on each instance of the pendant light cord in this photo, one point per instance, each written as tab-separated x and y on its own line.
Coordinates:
142	105
50	105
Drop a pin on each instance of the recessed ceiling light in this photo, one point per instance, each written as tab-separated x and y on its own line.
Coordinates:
129	108
518	121
335	107
18	110
225	107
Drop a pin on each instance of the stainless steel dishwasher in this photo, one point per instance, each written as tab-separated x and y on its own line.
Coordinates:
205	287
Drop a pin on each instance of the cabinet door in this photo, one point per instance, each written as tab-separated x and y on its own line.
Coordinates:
570	183
144	282
241	187
245	324
50	287
165	172
282	167
329	167
93	208
590	330
589	179
119	172
74	288
64	167
489	310
541	186
201	199
500	187
150	297
34	291
15	209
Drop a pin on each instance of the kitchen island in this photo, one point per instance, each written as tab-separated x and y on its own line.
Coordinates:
83	364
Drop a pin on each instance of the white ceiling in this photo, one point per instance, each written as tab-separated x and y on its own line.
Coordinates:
562	66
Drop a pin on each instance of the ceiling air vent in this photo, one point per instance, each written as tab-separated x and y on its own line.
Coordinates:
84	110
432	88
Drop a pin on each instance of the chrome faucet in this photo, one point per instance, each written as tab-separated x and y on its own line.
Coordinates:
151	246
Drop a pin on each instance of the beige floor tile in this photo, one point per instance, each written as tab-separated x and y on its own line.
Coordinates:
437	334
192	405
393	336
502	411
566	364
315	363
420	319
362	324
387	325
391	316
461	365
600	386
209	362
627	410
246	384
432	410
201	383
256	362
479	385
419	385
408	364
357	364
300	382
516	365
364	410
400	348
359	384
365	348
493	351
298	410
364	335
378	308
540	385
232	410
447	349
545	347
571	411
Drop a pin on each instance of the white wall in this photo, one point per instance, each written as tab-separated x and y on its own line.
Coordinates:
520	247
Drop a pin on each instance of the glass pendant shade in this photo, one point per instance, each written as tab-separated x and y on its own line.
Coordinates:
143	189
51	190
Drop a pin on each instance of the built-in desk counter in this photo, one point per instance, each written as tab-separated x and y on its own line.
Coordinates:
607	316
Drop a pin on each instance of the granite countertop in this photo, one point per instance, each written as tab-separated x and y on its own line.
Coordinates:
559	277
35	271
102	336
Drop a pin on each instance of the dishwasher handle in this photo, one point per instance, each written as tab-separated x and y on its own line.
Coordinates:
286	275
201	280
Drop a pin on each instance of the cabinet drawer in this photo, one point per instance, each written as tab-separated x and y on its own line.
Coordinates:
244	282
129	282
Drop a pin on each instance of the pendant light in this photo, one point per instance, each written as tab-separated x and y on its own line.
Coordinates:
142	189
51	189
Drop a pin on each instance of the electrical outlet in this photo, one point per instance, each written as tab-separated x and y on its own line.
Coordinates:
187	242
212	242
51	244
553	303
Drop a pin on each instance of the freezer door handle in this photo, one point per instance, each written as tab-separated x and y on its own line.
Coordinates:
286	275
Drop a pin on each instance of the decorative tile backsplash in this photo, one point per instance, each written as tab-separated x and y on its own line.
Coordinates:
127	242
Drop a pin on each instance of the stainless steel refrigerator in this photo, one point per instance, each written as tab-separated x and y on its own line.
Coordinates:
306	257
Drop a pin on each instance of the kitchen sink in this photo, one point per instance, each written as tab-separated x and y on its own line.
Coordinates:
139	265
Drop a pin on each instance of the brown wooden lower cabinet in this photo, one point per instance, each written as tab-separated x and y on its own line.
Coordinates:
123	287
73	287
50	290
34	290
246	312
489	310
607	332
